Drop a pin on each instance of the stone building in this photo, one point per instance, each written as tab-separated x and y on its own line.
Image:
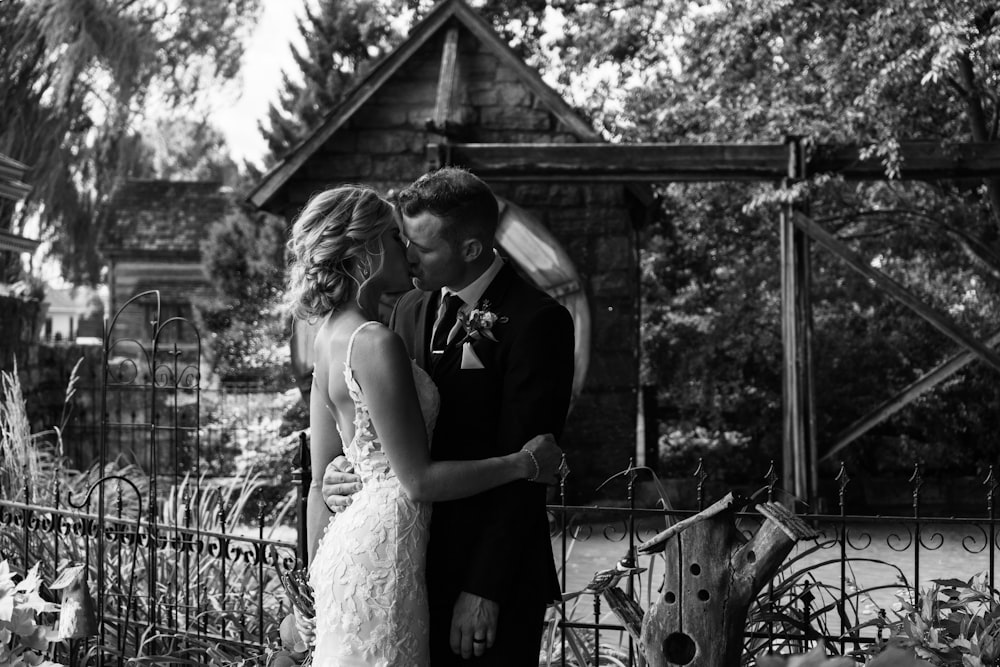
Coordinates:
576	240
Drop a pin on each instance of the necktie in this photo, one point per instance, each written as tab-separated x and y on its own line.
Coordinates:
445	322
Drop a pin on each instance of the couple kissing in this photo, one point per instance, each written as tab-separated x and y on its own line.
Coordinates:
435	435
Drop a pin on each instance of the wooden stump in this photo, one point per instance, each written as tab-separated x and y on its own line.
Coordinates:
712	573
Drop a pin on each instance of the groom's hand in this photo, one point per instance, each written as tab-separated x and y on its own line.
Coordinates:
339	484
473	625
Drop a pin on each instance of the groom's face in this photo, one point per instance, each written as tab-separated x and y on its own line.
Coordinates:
434	261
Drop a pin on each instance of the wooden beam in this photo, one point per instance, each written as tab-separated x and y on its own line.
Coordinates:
625	163
940	322
923	384
447	78
919	160
714	162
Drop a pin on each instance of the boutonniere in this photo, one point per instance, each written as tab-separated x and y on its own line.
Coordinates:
478	322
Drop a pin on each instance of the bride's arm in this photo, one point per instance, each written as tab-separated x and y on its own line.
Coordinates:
324	446
382	368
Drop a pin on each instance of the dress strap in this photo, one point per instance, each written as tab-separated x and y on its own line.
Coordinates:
350	341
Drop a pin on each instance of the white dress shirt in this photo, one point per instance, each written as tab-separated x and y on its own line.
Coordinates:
472	293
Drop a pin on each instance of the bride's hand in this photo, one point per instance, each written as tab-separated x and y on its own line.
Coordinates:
548	456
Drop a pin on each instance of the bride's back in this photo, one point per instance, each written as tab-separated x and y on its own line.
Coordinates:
332	408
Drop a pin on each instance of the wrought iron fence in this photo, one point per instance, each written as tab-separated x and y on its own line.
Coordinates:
178	570
232	415
842	588
176	566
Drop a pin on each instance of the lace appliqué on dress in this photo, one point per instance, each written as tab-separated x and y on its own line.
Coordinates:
368	573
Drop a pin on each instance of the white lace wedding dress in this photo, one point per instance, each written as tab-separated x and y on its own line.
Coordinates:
368	572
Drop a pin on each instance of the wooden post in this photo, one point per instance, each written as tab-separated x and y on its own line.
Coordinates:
799	447
447	79
651	427
441	124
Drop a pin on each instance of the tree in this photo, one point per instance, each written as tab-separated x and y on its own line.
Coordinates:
182	149
243	257
75	77
343	39
750	71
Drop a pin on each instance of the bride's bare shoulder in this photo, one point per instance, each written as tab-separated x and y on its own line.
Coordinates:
375	338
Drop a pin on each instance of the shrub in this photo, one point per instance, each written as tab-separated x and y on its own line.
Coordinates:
726	454
24	637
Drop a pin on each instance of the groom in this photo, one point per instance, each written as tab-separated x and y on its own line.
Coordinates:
501	354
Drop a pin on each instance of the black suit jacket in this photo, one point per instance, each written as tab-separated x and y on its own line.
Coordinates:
496	544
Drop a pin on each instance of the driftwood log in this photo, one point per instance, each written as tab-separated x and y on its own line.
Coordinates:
712	573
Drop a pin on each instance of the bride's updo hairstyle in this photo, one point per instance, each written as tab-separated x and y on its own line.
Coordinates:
332	246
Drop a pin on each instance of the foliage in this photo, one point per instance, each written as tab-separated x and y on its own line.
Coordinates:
74	79
815	658
954	623
343	39
243	257
228	589
180	148
262	434
710	316
752	71
798	606
726	454
24	638
577	647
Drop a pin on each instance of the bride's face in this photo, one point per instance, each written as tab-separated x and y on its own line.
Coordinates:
395	272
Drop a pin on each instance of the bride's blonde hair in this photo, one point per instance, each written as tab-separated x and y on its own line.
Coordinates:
335	239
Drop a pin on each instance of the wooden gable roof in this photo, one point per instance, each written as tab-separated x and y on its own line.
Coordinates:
443	15
165	218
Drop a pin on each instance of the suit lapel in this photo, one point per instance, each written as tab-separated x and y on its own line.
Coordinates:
422	329
497	290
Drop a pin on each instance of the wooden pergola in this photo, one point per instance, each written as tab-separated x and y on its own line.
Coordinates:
784	164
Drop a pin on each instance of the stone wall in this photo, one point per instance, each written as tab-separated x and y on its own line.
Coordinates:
592	225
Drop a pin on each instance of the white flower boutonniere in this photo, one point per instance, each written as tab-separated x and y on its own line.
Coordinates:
478	323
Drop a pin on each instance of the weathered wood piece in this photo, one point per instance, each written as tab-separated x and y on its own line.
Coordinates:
627	610
447	79
707	162
712	573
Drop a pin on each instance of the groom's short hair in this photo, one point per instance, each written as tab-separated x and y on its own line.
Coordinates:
461	199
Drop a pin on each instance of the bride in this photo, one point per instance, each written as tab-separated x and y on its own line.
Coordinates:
370	402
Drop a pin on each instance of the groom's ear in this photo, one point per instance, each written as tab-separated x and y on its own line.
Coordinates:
471	249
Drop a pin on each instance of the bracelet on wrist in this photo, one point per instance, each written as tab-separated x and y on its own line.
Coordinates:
534	461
